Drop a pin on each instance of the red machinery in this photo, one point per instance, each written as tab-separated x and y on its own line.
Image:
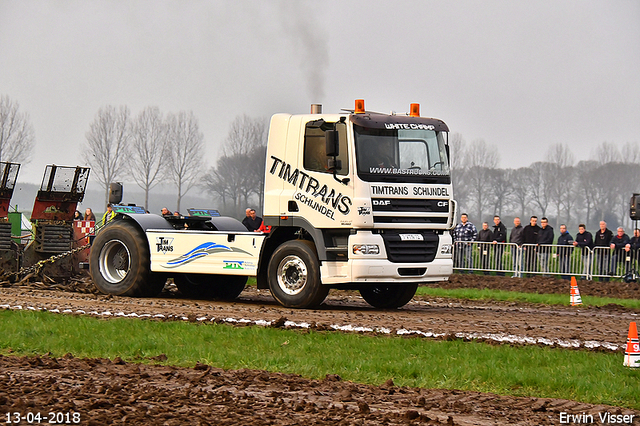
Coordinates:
61	190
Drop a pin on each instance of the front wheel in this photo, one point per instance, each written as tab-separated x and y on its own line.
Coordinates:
294	275
388	296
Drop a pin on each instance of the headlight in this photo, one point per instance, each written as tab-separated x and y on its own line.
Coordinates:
445	249
366	249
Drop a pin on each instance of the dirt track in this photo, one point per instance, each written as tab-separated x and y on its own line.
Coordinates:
108	392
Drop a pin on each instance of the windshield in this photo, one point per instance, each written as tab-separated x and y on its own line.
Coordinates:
415	155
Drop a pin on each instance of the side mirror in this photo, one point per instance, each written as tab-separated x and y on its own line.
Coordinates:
332	142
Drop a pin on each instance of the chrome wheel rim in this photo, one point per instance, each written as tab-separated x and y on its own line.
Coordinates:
115	261
292	275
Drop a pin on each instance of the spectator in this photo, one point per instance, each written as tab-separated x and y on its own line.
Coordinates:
88	215
263	228
165	212
602	242
545	240
530	241
463	234
177	214
635	248
108	215
77	215
485	236
252	222
516	237
565	240
584	239
499	236
621	246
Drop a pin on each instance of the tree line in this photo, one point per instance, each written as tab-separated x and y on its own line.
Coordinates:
559	188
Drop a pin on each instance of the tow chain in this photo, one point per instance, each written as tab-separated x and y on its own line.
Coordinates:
38	266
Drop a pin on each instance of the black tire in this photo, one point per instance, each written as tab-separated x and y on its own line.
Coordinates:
385	296
120	262
294	275
202	286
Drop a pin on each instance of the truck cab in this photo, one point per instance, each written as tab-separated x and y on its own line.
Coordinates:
372	193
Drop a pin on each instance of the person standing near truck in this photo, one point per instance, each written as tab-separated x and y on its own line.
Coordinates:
584	240
530	241
252	222
545	240
602	242
499	236
464	233
564	253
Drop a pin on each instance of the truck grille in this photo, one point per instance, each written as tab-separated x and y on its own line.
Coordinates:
399	251
409	205
404	219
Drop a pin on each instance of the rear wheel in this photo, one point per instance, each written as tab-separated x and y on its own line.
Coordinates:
388	296
120	262
201	286
294	275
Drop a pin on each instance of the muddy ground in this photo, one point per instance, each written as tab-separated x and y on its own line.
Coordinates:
113	392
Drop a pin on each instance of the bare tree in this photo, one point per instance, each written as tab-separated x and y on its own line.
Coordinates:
186	154
228	180
540	182
480	160
244	149
148	145
606	152
16	132
502	188
630	153
245	134
457	150
521	194
107	147
560	154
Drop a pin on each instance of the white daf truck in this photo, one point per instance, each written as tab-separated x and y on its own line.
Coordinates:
356	200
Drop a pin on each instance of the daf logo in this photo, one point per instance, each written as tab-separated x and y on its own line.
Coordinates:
381	202
443	203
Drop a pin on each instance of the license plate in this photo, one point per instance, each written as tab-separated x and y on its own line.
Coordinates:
411	237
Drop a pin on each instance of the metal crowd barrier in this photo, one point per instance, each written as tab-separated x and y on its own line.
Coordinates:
545	260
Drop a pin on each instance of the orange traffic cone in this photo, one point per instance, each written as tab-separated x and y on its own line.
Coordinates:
576	300
632	354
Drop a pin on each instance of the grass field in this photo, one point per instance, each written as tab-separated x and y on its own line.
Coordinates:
591	377
513	296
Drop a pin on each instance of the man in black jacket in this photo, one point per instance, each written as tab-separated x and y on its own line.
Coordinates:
545	240
485	238
602	242
584	240
565	240
499	236
529	241
621	246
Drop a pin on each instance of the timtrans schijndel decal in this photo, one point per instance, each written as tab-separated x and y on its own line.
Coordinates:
204	249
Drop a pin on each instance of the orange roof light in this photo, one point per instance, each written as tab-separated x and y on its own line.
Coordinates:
359	106
415	110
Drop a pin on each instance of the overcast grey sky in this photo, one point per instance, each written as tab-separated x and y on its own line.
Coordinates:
520	75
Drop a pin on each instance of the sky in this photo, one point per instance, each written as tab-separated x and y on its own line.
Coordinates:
519	75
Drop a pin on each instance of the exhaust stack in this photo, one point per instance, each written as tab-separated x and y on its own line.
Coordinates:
316	108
